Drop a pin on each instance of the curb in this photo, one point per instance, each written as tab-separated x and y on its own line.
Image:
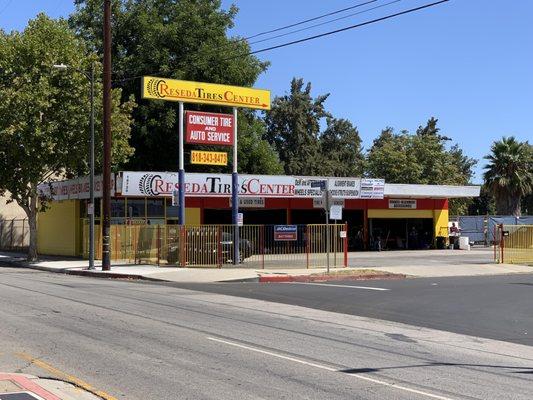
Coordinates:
82	272
318	278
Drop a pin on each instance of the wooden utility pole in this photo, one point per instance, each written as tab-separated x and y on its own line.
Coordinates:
106	212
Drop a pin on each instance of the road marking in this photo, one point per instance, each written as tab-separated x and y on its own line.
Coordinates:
343	286
330	369
67	377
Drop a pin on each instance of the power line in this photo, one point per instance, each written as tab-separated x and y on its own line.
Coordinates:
239	40
373	21
310	20
326	22
359	25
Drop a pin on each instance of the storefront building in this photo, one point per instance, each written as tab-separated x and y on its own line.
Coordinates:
378	214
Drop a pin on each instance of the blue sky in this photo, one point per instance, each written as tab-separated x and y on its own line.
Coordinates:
469	63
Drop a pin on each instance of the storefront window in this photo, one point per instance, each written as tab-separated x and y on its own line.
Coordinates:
155	208
136	208
118	212
172	211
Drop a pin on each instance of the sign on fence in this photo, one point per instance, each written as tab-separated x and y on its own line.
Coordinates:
287	233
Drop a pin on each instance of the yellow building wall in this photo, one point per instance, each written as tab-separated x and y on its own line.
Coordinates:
385	213
192	216
58	229
440	222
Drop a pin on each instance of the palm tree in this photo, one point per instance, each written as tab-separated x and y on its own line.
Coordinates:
509	174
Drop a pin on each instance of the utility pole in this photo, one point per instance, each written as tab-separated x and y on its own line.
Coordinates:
106	212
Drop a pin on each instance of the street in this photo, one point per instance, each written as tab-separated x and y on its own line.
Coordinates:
136	340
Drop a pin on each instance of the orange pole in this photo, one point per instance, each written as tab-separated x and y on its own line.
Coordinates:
345	244
308	245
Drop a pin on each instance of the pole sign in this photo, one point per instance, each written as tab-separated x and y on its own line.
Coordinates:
209	157
204	93
335	212
285	233
209	128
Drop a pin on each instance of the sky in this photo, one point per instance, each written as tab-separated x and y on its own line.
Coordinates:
468	63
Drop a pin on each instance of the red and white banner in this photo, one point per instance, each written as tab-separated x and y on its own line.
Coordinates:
198	184
74	189
209	128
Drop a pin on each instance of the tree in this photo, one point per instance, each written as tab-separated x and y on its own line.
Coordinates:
293	128
340	147
509	174
422	158
185	39
256	156
44	114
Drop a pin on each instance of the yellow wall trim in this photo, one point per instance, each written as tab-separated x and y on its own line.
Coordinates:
385	213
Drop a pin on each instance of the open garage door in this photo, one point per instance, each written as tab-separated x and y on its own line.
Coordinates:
400	233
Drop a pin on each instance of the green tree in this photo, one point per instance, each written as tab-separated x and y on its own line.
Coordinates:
44	113
340	147
293	128
509	174
185	39
256	156
422	158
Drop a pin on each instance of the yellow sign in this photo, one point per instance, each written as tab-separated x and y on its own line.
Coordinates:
205	93
209	157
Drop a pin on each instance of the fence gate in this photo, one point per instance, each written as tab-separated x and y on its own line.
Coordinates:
513	244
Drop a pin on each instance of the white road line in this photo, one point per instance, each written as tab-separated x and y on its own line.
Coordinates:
343	286
326	368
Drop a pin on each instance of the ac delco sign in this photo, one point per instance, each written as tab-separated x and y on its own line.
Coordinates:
209	128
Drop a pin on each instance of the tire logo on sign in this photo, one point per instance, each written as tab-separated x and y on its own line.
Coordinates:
146	184
152	87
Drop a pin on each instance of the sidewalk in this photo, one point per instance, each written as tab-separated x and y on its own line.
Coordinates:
29	387
428	263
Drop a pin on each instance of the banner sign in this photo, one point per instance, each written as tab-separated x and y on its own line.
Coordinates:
209	157
402	204
250	202
372	188
209	128
204	93
203	184
74	189
285	233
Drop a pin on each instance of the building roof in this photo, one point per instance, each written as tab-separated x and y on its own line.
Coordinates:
432	191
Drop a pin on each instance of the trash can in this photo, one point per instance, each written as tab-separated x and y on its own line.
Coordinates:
464	244
441	242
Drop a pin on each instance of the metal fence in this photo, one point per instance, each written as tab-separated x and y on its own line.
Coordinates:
212	245
513	244
480	228
14	234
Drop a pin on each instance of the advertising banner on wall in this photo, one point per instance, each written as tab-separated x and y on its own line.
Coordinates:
372	188
74	189
409	204
203	184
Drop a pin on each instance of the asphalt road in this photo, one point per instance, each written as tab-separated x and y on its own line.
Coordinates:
149	341
497	307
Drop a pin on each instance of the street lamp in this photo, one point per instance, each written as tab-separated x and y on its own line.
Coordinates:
90	210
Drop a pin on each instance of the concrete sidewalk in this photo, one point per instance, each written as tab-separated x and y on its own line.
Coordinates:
26	387
427	263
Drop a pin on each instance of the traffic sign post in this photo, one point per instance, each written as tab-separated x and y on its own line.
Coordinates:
235	193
